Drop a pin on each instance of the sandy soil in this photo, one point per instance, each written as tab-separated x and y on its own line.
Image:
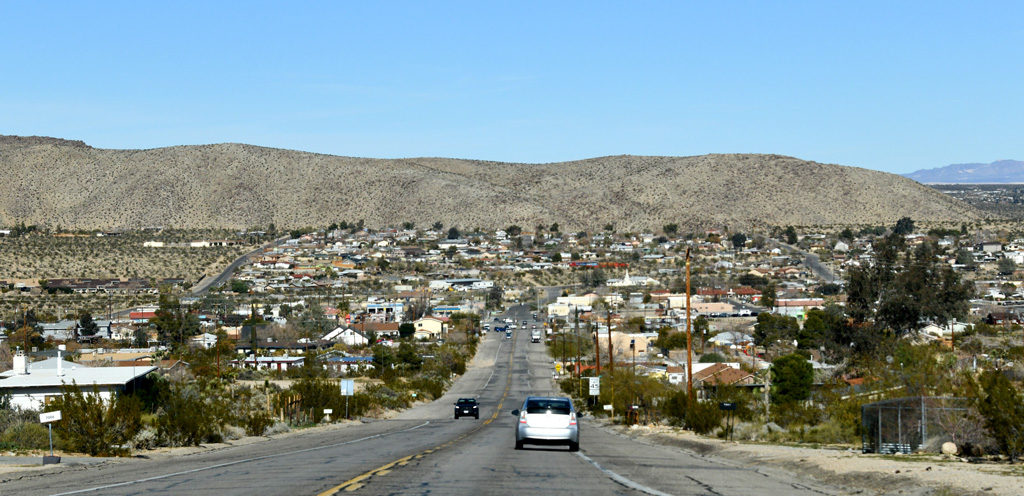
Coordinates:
872	474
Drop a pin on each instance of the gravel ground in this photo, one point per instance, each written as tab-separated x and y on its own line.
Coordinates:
872	474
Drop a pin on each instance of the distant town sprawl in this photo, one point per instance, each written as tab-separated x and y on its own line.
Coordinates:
376	303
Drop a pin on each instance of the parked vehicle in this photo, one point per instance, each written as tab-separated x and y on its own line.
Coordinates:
547	420
467	407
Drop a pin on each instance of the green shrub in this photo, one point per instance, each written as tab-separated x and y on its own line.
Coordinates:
27	435
185	419
96	427
257	422
1002	408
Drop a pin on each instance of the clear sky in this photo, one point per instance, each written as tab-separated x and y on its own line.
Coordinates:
894	86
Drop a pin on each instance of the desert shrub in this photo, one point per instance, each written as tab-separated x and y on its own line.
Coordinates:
1002	408
257	422
26	435
145	439
432	385
795	414
94	426
277	428
185	419
231	432
701	417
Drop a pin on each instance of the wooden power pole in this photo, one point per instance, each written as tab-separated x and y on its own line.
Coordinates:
689	337
611	357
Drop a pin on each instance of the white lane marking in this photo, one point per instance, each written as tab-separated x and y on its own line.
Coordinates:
622	480
493	366
236	462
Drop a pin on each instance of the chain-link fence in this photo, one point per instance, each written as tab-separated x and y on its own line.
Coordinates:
906	425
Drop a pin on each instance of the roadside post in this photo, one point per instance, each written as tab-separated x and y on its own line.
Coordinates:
348	388
328	412
729	408
49	418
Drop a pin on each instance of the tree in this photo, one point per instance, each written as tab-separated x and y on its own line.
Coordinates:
1002	408
903	226
437	226
792	377
406	330
771	329
408	226
791	235
768	296
1006	266
846	234
556	257
671	229
554	227
87	327
701	326
240	287
739	240
140	338
453	233
514	230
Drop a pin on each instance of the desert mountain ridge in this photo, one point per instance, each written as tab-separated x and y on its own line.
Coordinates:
56	182
998	172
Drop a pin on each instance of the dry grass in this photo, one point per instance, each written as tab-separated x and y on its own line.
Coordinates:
43	256
56	182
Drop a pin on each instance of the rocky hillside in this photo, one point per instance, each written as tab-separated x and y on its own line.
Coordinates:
68	183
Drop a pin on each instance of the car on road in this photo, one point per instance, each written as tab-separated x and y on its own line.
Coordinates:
547	420
535	336
508	334
467	407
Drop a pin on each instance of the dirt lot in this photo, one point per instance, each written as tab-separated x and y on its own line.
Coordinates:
873	474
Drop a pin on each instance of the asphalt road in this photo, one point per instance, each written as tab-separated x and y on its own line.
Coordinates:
424	451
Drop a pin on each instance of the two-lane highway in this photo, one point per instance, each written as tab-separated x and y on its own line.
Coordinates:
425	451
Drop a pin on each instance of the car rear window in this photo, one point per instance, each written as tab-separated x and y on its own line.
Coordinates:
465	401
558	406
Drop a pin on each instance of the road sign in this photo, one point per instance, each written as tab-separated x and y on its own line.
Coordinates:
328	411
47	417
595	386
727	406
608	407
348	387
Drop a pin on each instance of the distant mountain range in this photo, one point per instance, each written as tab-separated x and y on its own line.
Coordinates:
57	182
1000	171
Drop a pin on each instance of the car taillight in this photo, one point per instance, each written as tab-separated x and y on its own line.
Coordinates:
572	418
522	418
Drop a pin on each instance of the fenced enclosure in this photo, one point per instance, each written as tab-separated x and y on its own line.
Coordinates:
906	425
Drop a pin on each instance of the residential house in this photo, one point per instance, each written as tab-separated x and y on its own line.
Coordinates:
33	386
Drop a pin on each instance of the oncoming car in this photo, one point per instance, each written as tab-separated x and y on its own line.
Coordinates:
467	407
547	420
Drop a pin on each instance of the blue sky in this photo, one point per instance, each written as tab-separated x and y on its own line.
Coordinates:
894	86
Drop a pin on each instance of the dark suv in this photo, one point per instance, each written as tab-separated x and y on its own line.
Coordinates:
467	407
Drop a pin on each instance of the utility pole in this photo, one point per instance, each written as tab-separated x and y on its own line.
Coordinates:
611	357
597	350
579	371
689	337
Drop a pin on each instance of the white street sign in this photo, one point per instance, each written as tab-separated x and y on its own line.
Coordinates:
608	407
595	386
348	387
48	417
328	411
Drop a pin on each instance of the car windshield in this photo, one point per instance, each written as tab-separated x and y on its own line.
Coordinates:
464	401
544	405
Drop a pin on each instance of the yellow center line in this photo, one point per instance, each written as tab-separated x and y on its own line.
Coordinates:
357	482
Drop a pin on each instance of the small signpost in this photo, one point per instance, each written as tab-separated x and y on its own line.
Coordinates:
728	407
328	412
49	418
595	386
348	388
